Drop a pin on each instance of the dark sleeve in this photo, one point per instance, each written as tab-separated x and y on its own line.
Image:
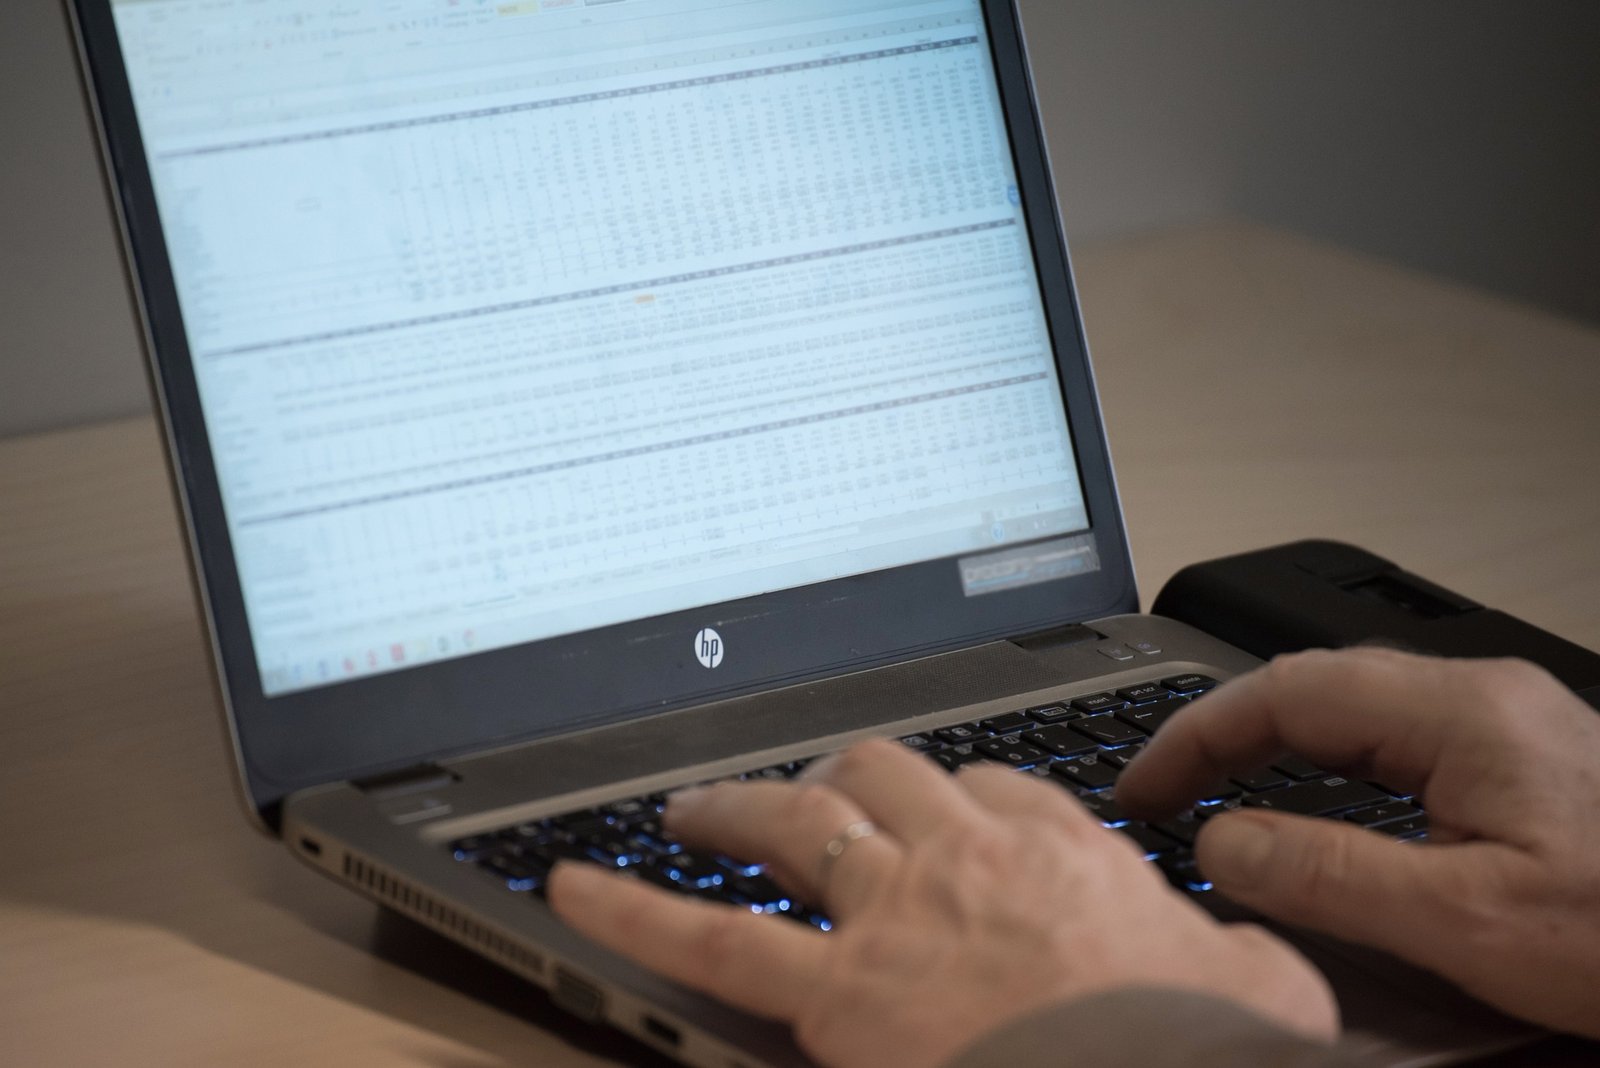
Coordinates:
1149	1028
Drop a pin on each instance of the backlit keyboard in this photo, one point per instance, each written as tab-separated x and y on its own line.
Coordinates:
1080	745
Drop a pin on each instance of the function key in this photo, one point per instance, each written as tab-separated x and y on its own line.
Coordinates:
1189	683
1150	691
919	742
1009	723
1107	730
961	733
1100	702
1052	714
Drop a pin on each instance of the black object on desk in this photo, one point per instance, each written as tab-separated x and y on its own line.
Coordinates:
1326	594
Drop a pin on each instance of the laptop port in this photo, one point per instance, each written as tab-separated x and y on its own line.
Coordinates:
662	1032
311	846
578	996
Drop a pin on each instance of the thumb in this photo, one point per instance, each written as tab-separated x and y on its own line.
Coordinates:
1330	876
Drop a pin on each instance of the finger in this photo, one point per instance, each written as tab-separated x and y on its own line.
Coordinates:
788	826
902	792
1341	879
1375	709
761	964
1004	792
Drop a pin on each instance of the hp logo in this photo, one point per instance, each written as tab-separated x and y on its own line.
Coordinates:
708	648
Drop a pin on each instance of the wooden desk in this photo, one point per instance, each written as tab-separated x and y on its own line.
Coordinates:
1258	388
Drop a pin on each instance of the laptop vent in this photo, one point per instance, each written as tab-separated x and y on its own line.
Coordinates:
389	888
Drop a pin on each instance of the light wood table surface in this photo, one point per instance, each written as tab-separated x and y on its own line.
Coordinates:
1258	388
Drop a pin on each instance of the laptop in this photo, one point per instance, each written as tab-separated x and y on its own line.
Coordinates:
570	400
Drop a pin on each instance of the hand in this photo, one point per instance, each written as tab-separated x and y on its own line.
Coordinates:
1505	898
978	899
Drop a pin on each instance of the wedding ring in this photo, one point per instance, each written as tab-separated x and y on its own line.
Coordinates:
836	847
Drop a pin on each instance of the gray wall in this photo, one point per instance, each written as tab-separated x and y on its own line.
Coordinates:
1458	136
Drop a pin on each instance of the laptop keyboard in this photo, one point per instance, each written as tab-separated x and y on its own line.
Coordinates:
1080	745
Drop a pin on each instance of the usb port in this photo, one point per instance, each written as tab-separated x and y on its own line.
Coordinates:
578	996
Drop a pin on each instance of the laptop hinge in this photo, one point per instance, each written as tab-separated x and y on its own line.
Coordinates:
1056	637
405	781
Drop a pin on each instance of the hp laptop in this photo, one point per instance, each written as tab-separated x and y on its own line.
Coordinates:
569	400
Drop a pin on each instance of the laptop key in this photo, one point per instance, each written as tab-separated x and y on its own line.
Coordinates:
519	874
1218	792
1107	730
1326	798
1150	717
1299	769
1086	772
1150	691
961	733
920	742
957	755
1183	830
1009	723
580	825
1152	841
1052	714
1264	779
1189	683
1121	758
1100	702
1105	808
1371	817
693	871
475	848
1183	872
1061	741
1011	750
1410	827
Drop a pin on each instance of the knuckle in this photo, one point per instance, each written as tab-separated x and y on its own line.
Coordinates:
815	804
1318	869
859	759
1510	680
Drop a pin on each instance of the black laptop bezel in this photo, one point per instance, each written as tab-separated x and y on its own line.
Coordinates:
429	712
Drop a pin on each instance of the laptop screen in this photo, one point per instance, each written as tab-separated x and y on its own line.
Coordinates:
518	319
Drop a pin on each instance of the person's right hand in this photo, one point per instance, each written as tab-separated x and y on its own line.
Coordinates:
1504	899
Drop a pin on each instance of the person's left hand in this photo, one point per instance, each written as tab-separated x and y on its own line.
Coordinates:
976	899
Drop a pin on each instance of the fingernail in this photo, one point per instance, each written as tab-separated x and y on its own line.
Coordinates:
1239	848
